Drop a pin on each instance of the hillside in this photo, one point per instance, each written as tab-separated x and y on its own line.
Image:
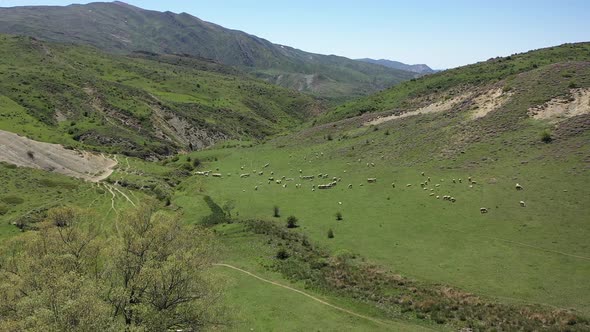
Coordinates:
121	28
502	71
418	68
143	105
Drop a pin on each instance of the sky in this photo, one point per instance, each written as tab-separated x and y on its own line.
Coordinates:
442	34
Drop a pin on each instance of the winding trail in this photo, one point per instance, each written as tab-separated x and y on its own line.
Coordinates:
352	313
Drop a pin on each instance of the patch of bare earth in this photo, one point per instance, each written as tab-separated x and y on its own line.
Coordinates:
558	109
440	106
21	151
489	101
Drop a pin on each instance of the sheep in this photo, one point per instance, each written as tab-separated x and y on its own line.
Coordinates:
428	179
245	175
454	181
339	179
372	180
200	173
256	188
483	210
266	165
289	179
350	186
518	187
261	173
339	203
372	164
283	177
431	194
312	189
392	185
408	185
285	185
460	180
437	185
469	179
334	178
242	168
300	171
421	184
452	199
271	178
272	173
278	181
522	203
437	197
217	175
422	173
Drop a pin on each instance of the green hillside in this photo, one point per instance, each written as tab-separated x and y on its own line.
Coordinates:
419	92
121	28
142	105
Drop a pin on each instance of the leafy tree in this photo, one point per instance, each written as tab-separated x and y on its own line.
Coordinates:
146	277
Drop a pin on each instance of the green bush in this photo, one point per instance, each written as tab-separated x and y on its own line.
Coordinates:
14	200
276	212
292	222
3	209
282	254
330	234
338	216
546	137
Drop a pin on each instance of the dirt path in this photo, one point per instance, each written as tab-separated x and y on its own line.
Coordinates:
24	152
352	313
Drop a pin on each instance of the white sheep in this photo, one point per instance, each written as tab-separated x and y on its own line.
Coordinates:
483	210
518	187
522	203
350	186
372	180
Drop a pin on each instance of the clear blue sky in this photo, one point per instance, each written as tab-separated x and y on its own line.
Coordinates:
442	34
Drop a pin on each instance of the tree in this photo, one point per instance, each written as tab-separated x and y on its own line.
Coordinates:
228	207
330	234
292	222
338	216
276	212
148	276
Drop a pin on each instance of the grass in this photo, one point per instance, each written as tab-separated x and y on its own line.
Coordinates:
261	306
537	254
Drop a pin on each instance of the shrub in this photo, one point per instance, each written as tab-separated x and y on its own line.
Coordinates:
282	254
31	154
292	222
338	216
572	85
196	163
330	234
387	132
276	212
329	137
14	200
3	209
546	137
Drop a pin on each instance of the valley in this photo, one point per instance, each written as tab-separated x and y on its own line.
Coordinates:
168	189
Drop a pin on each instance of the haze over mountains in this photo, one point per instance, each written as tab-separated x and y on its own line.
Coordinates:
121	28
418	68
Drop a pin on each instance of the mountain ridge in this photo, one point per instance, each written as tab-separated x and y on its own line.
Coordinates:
121	28
419	68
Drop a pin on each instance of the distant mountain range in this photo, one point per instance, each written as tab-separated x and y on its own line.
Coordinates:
121	28
421	69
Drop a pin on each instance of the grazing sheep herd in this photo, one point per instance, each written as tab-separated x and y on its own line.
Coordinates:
425	185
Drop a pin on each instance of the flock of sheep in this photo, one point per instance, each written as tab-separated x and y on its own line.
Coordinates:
283	180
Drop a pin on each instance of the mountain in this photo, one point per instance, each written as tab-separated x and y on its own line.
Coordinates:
143	104
121	28
419	68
